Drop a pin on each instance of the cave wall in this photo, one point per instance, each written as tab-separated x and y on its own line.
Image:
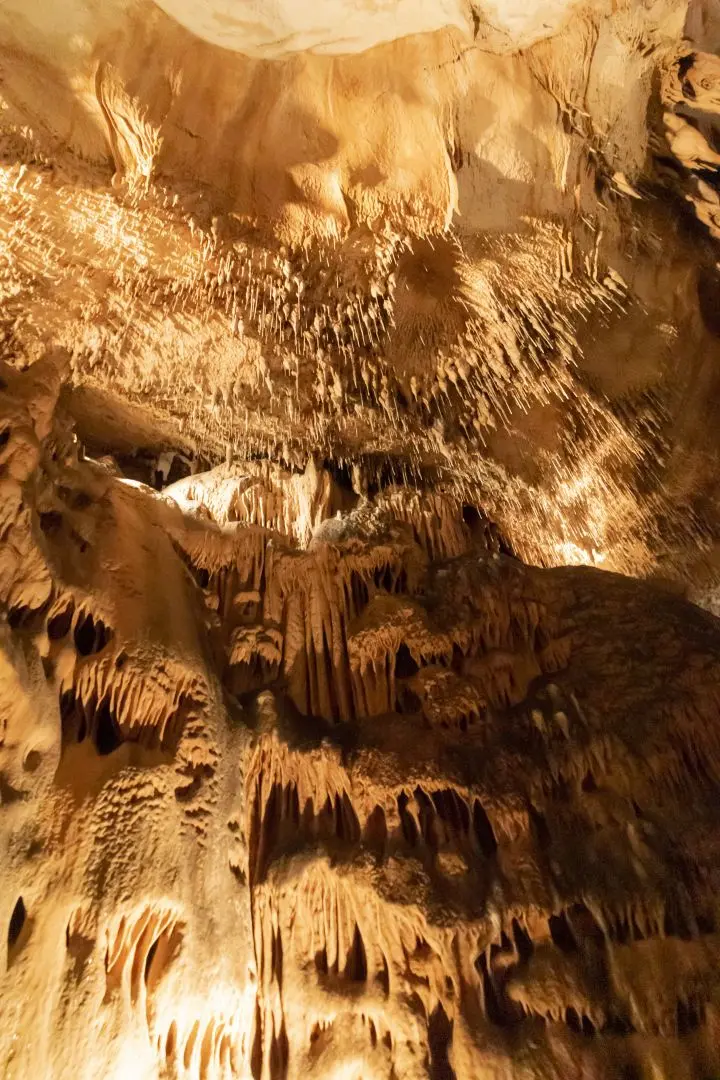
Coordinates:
358	467
292	791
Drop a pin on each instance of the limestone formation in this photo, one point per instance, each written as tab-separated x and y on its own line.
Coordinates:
359	540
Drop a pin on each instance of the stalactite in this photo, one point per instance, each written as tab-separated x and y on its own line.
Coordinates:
330	376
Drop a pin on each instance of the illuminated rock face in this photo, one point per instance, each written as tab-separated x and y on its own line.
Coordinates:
338	365
287	794
439	257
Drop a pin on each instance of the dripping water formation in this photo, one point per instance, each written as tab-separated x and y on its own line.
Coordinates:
359	540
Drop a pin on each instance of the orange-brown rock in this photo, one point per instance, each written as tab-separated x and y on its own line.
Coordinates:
359	457
358	801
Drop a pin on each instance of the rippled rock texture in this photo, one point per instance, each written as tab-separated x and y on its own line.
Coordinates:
294	790
359	382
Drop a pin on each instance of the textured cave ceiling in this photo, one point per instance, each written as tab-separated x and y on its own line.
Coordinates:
479	254
359	504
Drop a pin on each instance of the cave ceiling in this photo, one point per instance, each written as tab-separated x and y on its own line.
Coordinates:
359	539
471	247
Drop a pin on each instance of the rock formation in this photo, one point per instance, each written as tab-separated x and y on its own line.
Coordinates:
359	540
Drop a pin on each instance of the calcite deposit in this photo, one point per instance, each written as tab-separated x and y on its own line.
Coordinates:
359	540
